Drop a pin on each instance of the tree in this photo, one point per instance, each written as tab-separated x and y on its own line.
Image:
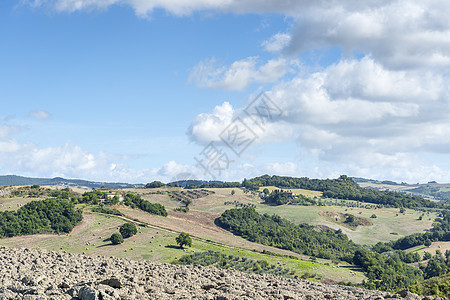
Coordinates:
373	216
128	229
350	219
184	239
232	192
426	255
266	191
116	238
154	184
427	243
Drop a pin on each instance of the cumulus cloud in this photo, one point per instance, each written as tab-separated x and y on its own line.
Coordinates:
355	112
240	74
207	126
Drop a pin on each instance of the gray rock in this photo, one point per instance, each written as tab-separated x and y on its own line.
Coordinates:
87	293
112	282
41	274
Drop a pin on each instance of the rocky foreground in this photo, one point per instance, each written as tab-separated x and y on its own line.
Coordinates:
40	274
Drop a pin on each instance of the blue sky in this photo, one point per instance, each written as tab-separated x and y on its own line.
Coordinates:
136	90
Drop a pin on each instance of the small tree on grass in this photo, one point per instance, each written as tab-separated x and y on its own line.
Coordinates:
127	230
184	239
350	219
116	238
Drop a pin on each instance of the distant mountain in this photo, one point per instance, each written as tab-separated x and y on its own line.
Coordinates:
58	181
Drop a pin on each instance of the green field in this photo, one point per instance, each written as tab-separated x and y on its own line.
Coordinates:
387	226
14	203
307	193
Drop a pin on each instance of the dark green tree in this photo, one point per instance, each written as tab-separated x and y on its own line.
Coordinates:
127	230
350	219
154	184
184	239
116	238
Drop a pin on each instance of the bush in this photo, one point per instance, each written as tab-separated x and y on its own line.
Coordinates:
128	229
116	238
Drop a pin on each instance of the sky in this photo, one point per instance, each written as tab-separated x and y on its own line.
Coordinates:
141	90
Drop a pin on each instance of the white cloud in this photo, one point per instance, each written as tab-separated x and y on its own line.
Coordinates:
176	7
400	34
207	127
40	115
6	130
282	169
277	42
240	74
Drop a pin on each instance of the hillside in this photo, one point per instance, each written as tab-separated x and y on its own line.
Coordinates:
431	190
322	224
37	274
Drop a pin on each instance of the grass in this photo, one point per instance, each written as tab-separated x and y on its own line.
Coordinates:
441	246
14	203
386	222
307	193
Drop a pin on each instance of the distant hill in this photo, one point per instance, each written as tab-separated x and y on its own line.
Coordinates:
431	190
194	182
58	181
